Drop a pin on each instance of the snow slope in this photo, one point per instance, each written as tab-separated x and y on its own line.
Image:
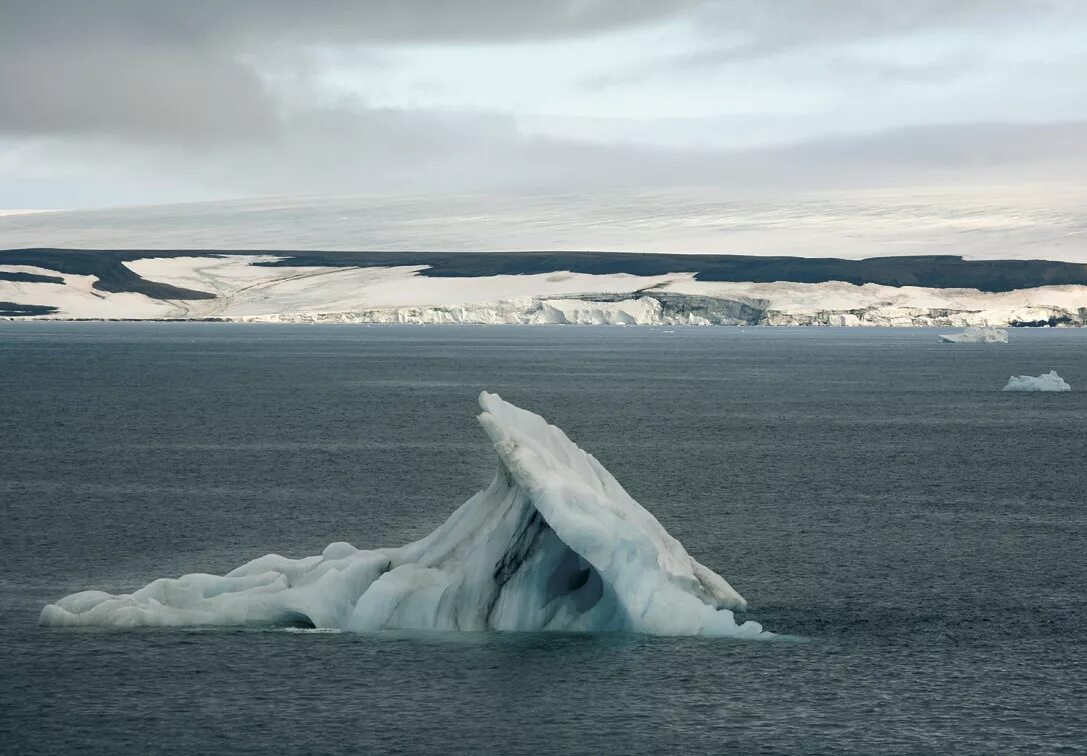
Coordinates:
554	543
76	298
980	222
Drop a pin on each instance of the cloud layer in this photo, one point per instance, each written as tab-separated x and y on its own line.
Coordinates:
136	101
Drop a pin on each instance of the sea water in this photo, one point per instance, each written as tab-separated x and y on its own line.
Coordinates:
870	491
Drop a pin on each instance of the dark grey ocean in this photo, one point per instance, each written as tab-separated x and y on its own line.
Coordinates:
870	491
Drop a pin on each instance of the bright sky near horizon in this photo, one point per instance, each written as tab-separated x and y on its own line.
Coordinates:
127	102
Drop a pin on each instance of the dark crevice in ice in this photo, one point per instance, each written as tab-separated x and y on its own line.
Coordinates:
298	620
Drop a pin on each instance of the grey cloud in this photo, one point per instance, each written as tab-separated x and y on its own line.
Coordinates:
152	89
176	72
758	28
138	92
170	71
235	23
885	71
736	31
338	151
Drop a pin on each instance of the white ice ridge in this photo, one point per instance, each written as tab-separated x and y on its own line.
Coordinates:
1048	382
977	335
554	543
245	289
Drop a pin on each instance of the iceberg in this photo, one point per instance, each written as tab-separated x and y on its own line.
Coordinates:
554	543
977	335
1048	382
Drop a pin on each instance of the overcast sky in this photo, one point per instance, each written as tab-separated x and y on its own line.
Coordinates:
120	102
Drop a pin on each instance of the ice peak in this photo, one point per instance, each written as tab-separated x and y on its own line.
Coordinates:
554	543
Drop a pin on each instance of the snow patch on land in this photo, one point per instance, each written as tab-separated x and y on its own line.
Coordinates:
247	289
554	543
77	297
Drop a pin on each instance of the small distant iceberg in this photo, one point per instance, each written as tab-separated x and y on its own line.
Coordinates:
977	335
554	543
1048	382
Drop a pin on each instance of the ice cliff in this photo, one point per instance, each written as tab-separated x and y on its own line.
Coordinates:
1048	382
44	284
554	543
978	335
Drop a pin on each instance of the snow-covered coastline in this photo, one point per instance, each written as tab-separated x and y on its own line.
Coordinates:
244	288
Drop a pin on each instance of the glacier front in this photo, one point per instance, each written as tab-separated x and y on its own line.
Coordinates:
571	288
554	543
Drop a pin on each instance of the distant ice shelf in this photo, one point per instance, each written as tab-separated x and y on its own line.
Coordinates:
554	543
265	289
1046	382
977	336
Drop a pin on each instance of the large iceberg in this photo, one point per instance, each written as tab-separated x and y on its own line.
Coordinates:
1047	382
554	543
977	335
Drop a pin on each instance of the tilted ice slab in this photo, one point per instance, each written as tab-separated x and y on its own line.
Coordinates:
554	543
1048	382
977	335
